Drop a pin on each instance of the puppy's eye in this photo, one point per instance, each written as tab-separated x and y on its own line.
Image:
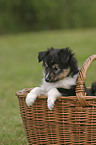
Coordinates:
55	68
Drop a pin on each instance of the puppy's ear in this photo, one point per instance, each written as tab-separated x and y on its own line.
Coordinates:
65	55
41	55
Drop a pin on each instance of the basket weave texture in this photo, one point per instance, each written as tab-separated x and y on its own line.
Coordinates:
69	123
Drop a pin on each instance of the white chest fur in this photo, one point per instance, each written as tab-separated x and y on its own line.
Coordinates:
65	83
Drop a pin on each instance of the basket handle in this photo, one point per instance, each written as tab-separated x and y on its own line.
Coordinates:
80	90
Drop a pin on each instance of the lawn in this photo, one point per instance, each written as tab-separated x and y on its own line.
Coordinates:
19	69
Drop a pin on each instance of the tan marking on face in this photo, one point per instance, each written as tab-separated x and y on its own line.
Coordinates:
46	64
63	74
56	68
55	65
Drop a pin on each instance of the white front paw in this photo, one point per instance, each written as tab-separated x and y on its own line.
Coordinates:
50	103
30	99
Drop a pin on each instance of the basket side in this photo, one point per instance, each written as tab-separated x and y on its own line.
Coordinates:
67	123
80	89
21	95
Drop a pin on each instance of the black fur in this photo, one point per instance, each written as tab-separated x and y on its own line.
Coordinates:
67	92
93	89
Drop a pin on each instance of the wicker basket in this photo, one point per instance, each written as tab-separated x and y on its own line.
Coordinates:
69	123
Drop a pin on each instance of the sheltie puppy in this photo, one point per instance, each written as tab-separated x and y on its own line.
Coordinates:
60	70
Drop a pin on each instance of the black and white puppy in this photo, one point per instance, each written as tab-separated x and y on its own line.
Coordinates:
60	71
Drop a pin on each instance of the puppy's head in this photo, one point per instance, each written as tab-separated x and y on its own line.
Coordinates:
58	64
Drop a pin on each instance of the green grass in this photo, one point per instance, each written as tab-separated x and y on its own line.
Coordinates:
19	69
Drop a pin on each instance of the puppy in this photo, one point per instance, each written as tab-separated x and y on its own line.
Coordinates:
60	70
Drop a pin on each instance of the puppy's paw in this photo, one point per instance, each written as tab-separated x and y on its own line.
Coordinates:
50	103
30	99
53	94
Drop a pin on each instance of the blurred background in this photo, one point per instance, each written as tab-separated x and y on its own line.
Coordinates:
35	15
30	26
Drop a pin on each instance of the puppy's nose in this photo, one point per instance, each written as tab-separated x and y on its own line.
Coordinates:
47	79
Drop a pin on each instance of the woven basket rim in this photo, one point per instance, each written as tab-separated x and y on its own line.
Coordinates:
23	93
